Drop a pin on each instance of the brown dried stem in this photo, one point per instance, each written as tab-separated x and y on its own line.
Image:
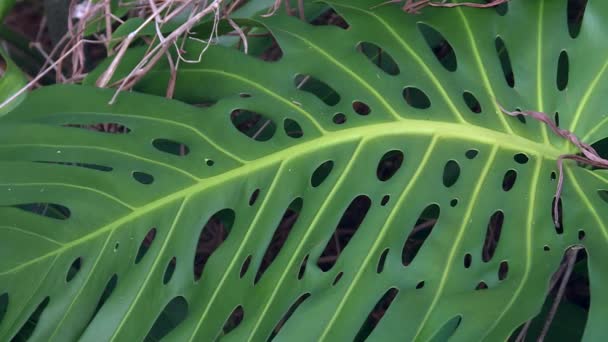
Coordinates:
570	261
414	6
589	154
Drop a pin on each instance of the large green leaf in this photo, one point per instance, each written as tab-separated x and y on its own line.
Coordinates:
70	193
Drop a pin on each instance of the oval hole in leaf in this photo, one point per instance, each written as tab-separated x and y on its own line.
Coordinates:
505	61
337	278
447	330
389	164
381	261
169	270
558	229
293	129
361	108
173	314
575	14
492	235
467	260
339	118
521	158
143	178
254	125
503	270
280	236
420	285
509	179
379	57
321	173
3	305
212	235
454	202
27	329
471	154
318	88
254	197
73	270
233	321
385	200
521	118
145	245
287	315
345	230
451	173
416	98
440	47
376	314
563	69
481	286
103	127
421	231
581	235
105	295
171	147
302	270
50	210
245	266
502	8
471	101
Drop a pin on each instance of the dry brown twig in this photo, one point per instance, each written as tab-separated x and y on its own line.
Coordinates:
71	49
588	155
277	4
150	59
414	6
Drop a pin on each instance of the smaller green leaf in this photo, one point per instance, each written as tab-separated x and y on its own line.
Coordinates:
129	26
5	7
97	24
11	80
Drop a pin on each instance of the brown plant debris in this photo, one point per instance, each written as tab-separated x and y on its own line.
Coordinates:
588	155
414	6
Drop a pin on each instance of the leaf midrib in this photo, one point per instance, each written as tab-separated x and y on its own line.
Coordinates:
443	130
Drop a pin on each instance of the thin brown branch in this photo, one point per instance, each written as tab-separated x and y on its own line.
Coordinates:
570	261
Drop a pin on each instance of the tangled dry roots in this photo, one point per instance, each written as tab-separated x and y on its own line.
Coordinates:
67	60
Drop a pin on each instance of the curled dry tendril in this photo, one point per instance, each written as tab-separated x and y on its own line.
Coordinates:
588	155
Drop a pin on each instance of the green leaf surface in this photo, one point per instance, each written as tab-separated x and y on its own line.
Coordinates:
97	24
232	167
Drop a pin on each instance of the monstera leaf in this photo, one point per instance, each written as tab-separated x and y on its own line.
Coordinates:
365	185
